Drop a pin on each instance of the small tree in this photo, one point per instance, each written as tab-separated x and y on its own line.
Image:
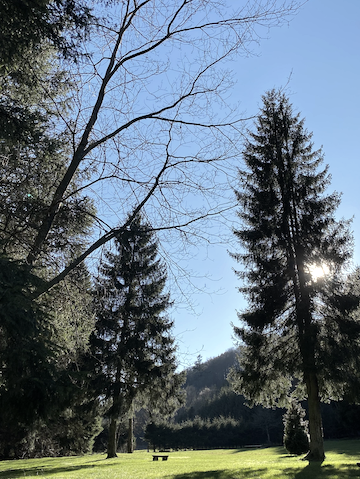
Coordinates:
296	439
132	340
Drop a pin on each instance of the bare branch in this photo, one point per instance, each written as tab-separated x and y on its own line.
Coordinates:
144	122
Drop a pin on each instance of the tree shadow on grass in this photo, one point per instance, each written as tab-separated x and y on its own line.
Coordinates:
277	449
311	471
248	473
40	471
46	471
325	471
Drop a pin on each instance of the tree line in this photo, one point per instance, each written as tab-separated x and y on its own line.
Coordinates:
196	434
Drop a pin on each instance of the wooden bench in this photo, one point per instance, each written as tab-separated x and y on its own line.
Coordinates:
156	457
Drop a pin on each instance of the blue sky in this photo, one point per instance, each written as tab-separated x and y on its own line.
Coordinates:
319	51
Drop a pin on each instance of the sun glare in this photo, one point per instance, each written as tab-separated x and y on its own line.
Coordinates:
318	271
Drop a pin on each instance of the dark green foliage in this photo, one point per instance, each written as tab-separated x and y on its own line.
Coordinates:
26	347
204	382
33	151
219	432
211	373
45	401
164	398
132	341
210	397
258	425
40	340
28	384
341	420
70	432
37	162
74	428
296	439
27	25
339	360
294	322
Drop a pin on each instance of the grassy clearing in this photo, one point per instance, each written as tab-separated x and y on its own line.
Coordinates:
271	463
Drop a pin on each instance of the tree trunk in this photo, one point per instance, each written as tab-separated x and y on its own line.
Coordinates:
316	452
268	433
130	441
112	441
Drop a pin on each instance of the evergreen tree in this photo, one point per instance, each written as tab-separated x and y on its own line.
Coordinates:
296	440
41	349
28	381
33	160
39	339
289	231
27	26
132	340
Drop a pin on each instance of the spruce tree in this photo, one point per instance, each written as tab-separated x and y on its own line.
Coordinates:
132	340
288	229
296	439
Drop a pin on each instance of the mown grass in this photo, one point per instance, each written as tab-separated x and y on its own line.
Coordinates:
269	463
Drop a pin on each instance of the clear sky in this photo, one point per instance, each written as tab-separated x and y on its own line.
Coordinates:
319	51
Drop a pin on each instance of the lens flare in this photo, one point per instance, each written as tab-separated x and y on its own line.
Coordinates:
318	271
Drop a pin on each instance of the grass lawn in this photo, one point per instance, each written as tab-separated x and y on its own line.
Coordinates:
270	463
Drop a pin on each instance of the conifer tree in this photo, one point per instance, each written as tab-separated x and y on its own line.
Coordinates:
295	318
38	339
132	340
41	344
296	440
27	26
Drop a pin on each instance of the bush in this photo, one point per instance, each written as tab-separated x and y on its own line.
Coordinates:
296	439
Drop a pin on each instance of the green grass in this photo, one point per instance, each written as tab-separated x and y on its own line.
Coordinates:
270	463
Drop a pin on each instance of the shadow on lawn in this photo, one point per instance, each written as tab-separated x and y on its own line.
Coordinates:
325	471
248	473
311	471
39	471
46	471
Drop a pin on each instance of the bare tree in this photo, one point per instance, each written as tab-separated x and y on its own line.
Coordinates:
150	122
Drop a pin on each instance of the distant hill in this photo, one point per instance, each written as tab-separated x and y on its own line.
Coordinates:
212	373
210	399
210	396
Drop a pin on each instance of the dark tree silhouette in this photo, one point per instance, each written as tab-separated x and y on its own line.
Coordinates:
132	339
296	321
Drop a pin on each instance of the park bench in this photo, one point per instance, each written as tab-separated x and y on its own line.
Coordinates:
156	457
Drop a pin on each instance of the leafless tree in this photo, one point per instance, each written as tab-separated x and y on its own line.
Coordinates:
150	119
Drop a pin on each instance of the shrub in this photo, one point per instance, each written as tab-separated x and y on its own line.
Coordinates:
296	439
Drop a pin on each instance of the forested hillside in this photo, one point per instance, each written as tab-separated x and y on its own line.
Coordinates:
215	416
209	396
